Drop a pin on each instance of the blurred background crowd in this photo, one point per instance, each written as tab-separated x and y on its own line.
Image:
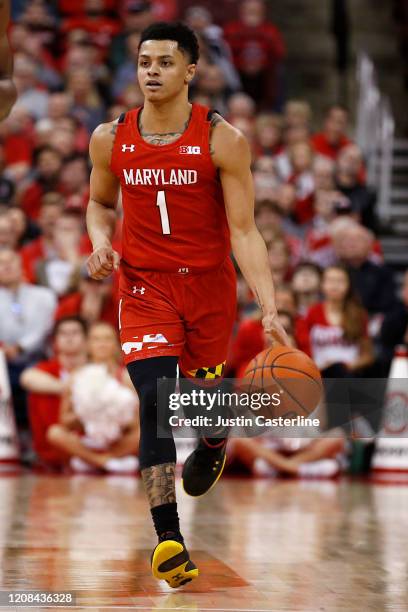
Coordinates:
75	67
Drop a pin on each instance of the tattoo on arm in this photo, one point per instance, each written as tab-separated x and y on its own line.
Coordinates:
159	482
215	120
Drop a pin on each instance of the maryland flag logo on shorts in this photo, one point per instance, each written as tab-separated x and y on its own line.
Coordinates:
208	373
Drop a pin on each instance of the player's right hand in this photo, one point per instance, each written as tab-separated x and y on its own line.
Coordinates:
103	261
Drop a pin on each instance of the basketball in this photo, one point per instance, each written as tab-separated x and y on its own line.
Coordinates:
288	372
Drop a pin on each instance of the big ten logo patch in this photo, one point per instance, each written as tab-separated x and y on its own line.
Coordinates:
189	150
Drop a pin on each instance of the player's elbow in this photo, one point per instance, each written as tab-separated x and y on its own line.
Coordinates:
8	96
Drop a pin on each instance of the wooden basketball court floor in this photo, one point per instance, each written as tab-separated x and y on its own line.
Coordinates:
260	544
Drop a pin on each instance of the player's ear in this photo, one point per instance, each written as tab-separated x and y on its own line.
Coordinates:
191	69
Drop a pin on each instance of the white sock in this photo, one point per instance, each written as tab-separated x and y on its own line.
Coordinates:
325	468
124	465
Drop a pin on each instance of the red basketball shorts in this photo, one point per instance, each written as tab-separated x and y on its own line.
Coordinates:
188	315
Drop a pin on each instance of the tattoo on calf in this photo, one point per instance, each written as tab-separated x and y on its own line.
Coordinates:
159	482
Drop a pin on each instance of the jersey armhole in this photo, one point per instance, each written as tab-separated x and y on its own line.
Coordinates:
121	121
209	117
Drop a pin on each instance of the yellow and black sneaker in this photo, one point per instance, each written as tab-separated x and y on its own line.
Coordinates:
171	562
203	468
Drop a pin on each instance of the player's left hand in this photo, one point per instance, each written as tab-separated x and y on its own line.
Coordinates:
274	329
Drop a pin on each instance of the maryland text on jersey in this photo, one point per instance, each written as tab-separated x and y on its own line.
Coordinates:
151	176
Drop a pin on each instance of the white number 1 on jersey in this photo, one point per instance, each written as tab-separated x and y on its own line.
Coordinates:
161	203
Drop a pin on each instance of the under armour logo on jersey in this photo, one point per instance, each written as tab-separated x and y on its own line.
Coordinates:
190	150
138	290
126	147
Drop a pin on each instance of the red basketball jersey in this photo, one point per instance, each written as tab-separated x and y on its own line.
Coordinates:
174	215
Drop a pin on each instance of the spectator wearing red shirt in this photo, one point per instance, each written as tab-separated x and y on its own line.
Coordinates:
99	438
48	164
250	338
338	327
42	247
75	182
339	339
46	382
95	301
258	51
95	22
301	159
333	138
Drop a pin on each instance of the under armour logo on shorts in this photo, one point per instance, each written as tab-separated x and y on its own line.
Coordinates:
138	290
130	148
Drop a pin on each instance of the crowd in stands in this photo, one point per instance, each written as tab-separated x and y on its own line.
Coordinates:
75	67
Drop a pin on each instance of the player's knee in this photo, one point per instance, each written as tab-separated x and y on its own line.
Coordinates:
54	434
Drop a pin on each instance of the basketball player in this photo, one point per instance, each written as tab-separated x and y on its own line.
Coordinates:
8	92
187	198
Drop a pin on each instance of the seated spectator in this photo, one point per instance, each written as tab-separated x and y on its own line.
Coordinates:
8	235
250	338
31	96
338	328
211	82
136	16
258	51
333	138
266	181
319	248
46	382
301	160
240	105
74	184
221	11
394	329
349	172
95	301
26	313
23	228
61	271
94	21
59	105
269	134
305	284
88	106
18	142
199	19
46	178
64	140
279	260
307	457
323	173
7	187
291	136
297	113
98	422
42	247
127	72
71	125
372	281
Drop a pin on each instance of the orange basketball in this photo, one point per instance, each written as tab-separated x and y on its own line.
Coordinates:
288	372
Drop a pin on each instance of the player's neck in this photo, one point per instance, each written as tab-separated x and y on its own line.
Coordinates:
171	116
